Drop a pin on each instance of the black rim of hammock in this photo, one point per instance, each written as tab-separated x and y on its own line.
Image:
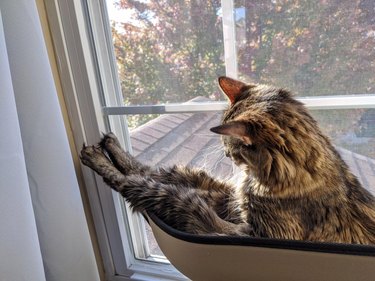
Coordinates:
322	247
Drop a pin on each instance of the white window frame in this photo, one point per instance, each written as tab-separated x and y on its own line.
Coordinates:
85	57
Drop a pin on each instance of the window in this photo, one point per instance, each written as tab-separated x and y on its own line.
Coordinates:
152	78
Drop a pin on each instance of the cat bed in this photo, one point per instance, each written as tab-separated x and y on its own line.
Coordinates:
205	258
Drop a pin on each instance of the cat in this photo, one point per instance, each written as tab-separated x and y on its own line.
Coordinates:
296	186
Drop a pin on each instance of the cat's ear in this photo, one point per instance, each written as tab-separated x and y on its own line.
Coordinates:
231	88
235	129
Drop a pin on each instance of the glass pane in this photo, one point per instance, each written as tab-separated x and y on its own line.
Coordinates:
167	51
181	139
353	133
172	51
314	48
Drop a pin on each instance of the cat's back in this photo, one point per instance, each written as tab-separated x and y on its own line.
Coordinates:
346	215
342	218
361	205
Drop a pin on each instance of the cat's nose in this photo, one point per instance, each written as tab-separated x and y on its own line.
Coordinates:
227	154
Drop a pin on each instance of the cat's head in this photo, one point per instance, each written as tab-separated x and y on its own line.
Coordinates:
270	133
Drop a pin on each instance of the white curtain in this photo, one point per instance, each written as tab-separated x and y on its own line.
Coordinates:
49	241
20	257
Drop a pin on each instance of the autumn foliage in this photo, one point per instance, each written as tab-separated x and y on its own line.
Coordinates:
173	51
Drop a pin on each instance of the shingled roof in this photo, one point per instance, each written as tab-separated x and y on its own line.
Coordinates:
182	139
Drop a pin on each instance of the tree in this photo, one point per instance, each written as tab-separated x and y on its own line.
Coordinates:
172	51
312	47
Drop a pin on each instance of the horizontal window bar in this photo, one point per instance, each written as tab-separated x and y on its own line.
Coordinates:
339	102
166	108
313	103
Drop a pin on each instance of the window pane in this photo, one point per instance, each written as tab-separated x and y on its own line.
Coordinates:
353	133
181	139
172	51
167	51
314	48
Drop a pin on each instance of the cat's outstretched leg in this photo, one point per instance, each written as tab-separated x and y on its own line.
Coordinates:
186	211
190	177
217	194
122	160
93	157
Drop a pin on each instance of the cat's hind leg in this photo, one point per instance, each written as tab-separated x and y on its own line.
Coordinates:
217	194
189	177
185	209
93	157
122	160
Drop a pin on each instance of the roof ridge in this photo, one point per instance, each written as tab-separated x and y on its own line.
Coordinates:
357	155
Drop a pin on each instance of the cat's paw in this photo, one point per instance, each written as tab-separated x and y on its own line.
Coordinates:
123	161
109	139
92	156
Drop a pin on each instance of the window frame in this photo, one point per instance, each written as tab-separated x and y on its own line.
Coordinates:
86	66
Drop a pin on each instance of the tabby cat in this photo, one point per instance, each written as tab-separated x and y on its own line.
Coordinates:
297	186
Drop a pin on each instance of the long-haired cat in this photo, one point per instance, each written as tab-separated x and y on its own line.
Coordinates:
297	185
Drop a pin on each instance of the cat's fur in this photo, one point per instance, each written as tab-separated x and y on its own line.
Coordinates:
297	185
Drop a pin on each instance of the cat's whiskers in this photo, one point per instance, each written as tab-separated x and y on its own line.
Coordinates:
212	155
